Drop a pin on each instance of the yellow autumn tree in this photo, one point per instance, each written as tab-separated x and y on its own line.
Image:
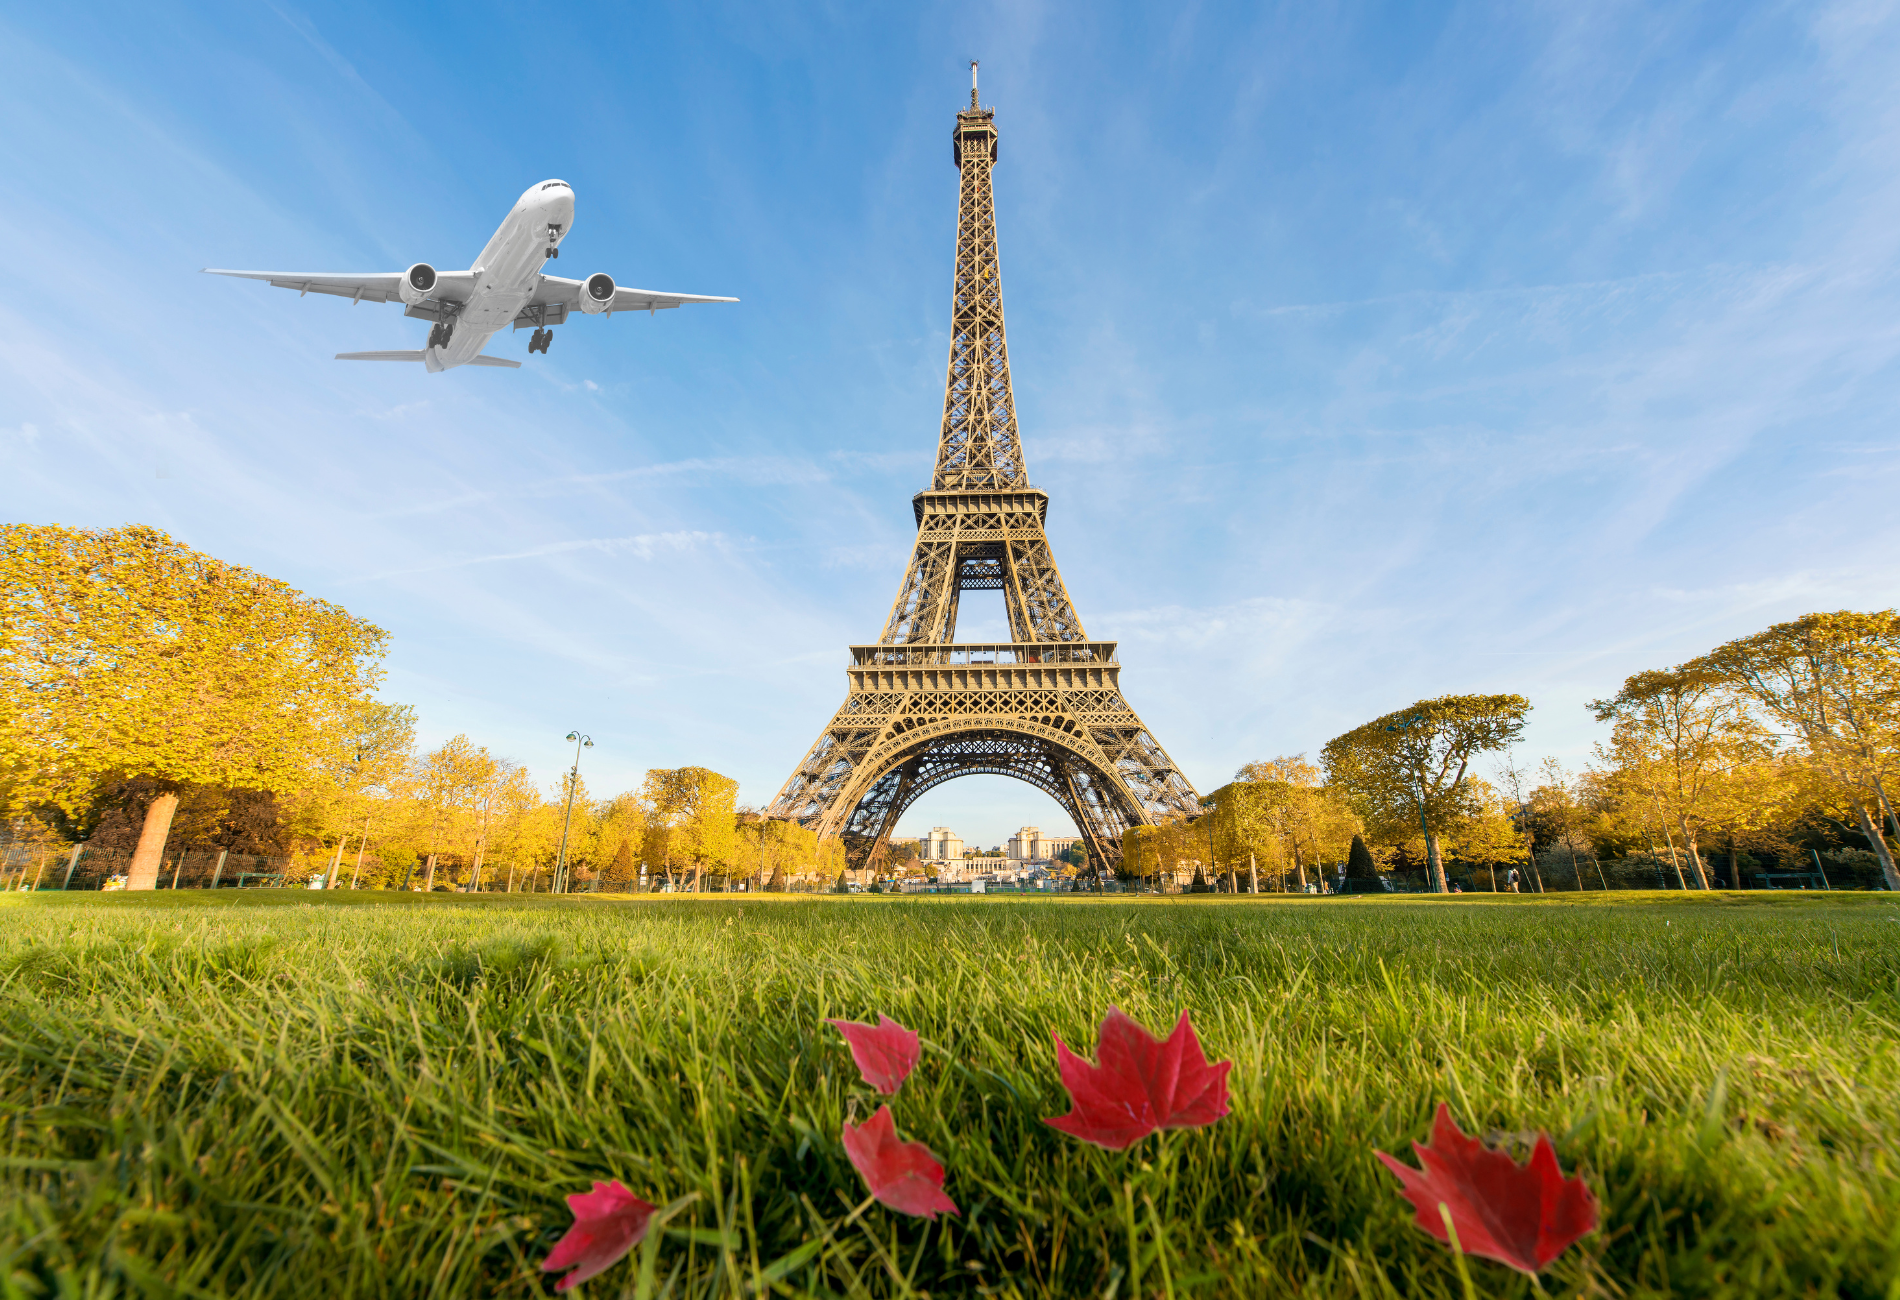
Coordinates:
1410	767
1166	850
692	821
1833	680
125	654
1277	812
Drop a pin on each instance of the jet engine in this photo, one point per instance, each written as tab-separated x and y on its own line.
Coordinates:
418	282
597	293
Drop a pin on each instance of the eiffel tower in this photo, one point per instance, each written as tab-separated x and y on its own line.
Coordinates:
922	708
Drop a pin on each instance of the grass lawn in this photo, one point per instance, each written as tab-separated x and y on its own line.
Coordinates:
388	1095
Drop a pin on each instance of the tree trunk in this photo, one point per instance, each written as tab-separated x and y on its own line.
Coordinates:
1299	866
1880	793
1674	861
1253	875
1530	849
428	881
143	873
1435	865
1601	878
1695	857
1874	838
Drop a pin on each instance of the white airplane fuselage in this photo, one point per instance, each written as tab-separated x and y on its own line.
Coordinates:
506	288
508	271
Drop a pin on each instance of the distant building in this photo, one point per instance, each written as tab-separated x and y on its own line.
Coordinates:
941	845
942	856
1030	845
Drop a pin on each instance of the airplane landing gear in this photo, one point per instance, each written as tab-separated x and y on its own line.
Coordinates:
554	252
539	340
440	335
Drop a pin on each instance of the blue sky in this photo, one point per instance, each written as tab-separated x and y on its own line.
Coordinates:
1368	352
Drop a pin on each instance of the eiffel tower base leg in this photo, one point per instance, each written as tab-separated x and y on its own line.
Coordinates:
919	715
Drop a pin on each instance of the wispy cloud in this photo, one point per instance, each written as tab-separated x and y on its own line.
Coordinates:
747	470
645	546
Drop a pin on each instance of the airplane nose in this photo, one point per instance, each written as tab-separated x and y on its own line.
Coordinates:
542	193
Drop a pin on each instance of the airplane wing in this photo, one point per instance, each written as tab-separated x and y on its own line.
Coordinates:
416	354
376	286
556	297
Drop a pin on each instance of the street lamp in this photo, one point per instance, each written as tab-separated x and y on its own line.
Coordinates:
1213	872
573	783
1418	798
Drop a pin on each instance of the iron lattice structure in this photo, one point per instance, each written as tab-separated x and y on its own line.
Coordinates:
1045	707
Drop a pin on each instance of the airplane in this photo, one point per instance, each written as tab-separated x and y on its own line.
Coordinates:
505	287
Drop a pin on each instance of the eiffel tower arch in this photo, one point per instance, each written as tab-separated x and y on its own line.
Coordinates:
922	708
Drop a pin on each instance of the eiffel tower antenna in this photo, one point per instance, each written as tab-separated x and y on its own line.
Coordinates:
922	708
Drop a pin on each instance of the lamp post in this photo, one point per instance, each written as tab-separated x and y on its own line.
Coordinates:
573	784
1418	798
1213	882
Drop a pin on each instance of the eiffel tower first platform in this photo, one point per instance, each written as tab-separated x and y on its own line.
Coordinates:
922	708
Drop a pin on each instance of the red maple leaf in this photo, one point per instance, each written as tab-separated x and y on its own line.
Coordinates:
1522	1215
1139	1084
886	1052
902	1175
608	1222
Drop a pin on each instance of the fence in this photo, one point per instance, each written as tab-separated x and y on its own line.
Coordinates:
77	867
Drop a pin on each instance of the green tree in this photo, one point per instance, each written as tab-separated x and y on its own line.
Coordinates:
1360	864
1409	766
124	654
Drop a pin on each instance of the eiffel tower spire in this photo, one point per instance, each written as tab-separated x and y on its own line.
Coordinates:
922	708
978	447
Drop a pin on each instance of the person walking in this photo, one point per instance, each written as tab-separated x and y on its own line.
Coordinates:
1510	881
